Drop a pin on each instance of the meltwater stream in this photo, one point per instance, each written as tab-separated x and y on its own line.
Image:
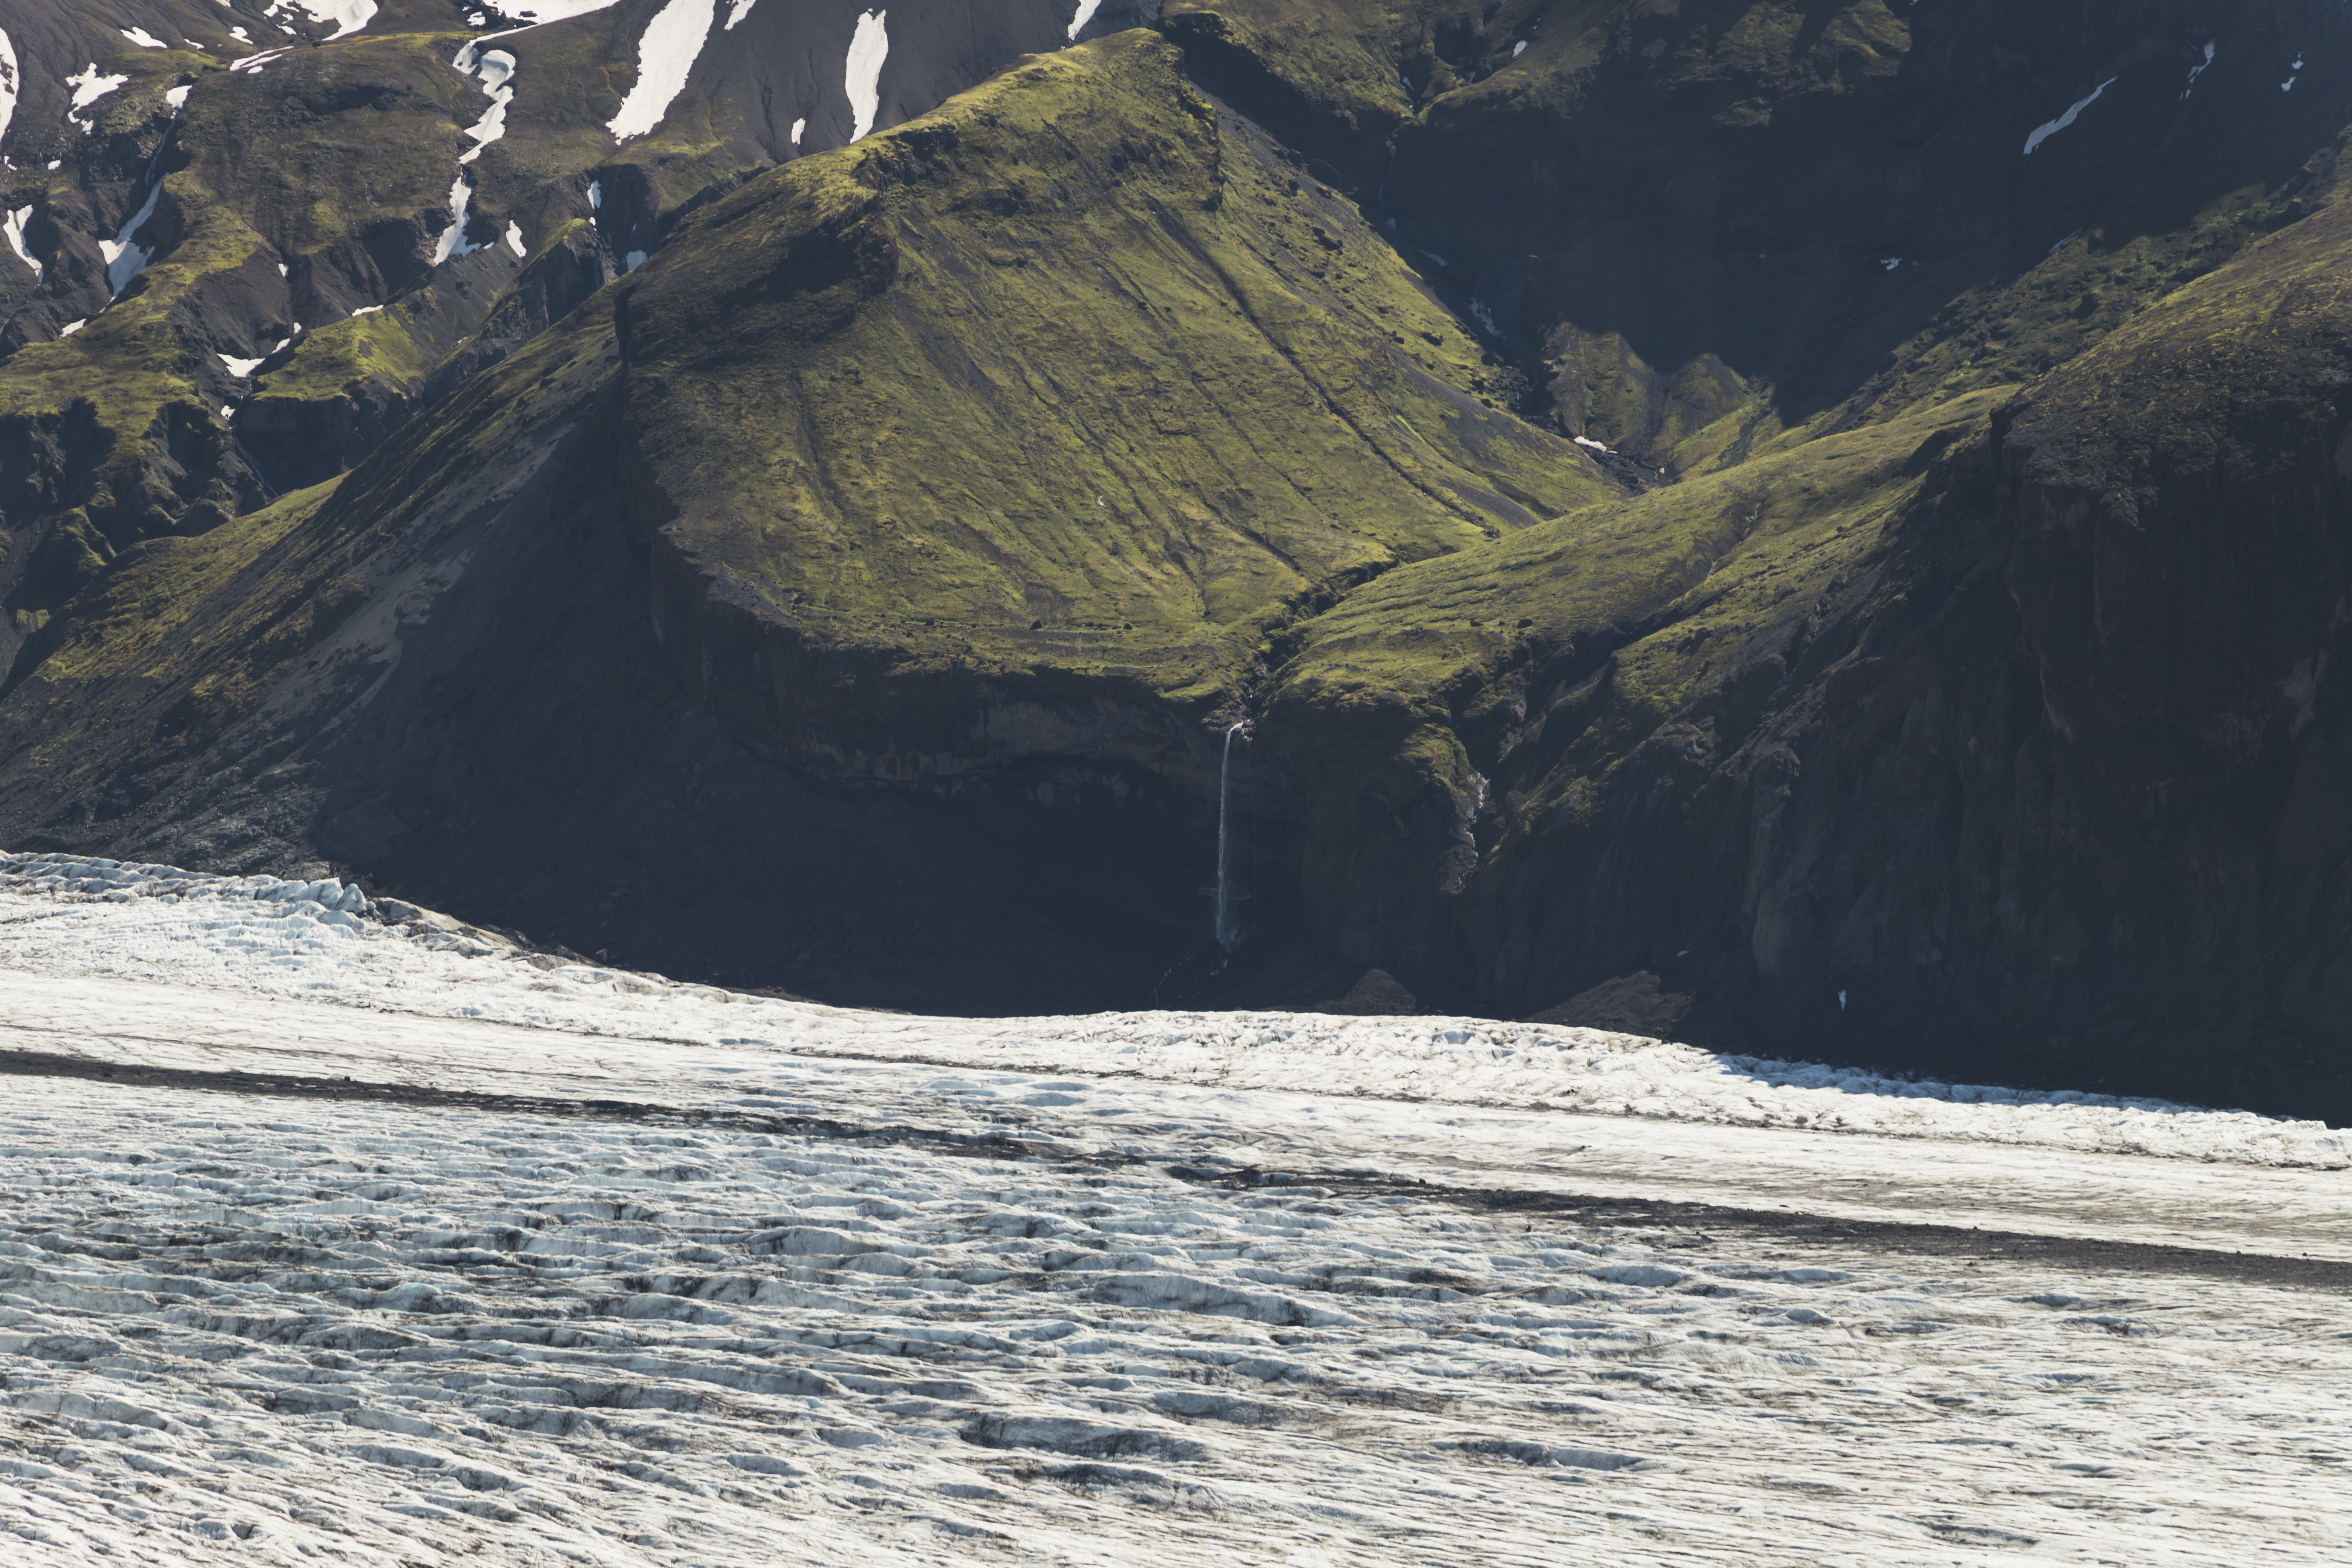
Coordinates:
1229	925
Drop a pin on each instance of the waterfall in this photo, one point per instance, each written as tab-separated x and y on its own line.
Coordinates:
1229	926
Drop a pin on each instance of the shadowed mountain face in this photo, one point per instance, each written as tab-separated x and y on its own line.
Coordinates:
1819	528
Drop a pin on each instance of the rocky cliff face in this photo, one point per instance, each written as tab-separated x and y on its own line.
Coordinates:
1810	529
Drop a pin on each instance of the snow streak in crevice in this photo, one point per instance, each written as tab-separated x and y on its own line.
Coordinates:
125	260
15	228
868	47
2044	132
143	37
1087	9
497	69
453	238
9	83
2199	69
742	8
672	42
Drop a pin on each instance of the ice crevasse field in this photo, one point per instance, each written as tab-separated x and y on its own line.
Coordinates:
334	1231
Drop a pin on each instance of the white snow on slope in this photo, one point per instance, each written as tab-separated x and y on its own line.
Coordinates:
88	88
13	226
9	83
815	1299
868	47
2199	69
178	97
125	260
452	241
143	37
514	241
496	68
71	328
348	15
239	368
1087	9
665	55
2044	132
798	126
740	9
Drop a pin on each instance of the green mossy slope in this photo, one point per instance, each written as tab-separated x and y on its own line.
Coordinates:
1070	372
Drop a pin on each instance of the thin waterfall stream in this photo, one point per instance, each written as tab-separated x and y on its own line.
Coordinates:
1229	925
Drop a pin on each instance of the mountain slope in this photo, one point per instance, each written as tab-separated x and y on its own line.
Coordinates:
981	461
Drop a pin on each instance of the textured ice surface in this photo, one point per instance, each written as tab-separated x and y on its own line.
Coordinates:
808	1305
156	923
666	54
862	76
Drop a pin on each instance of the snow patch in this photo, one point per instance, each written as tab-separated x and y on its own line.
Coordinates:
348	15
15	228
666	54
1087	9
88	88
740	9
496	68
1589	441
1485	317
2199	69
9	83
239	368
1518	48
71	328
367	310
868	47
514	242
453	238
631	262
596	195
143	37
125	260
2044	132
798	126
1891	262
178	97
